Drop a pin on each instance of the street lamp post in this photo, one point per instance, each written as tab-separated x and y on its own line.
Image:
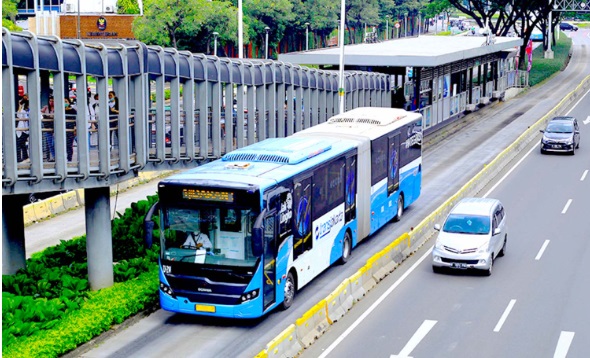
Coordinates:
266	43
215	34
306	36
240	30
406	24
78	24
341	84
387	27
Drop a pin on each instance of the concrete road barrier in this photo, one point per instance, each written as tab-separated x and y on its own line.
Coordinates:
357	290
312	324
339	301
285	345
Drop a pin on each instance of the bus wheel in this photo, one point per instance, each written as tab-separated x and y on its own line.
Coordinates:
400	208
289	291
346	248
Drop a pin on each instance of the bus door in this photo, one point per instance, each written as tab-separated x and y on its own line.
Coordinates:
393	164
269	279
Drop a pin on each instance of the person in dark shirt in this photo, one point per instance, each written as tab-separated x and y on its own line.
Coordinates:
113	116
70	127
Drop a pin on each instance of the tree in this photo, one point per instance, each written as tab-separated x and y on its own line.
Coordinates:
186	24
275	14
127	7
520	16
9	13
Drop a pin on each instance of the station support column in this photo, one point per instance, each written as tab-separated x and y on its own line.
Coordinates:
13	234
99	245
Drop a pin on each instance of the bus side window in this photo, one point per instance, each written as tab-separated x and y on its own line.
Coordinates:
379	159
302	201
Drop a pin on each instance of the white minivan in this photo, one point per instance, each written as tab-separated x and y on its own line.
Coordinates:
473	235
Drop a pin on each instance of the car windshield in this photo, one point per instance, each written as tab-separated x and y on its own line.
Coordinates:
559	127
467	224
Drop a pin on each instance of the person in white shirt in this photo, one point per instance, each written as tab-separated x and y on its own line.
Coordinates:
197	240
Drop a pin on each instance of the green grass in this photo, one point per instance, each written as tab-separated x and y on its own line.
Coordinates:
583	25
544	68
443	33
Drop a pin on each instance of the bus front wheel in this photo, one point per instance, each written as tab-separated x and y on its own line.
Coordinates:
289	291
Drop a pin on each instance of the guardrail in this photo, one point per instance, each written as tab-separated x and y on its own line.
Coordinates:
312	324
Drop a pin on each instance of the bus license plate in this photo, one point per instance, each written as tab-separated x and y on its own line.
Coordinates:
205	308
458	265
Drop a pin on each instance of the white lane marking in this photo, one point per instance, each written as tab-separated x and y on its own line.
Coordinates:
567	205
416	338
538	257
374	305
510	171
584	175
580	100
563	344
504	316
587	120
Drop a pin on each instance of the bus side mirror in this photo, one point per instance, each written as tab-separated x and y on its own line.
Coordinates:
148	226
257	247
258	235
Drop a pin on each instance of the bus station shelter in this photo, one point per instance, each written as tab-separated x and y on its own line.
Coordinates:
442	77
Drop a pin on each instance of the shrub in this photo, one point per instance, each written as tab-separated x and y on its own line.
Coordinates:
54	283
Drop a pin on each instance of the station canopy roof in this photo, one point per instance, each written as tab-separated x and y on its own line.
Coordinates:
422	51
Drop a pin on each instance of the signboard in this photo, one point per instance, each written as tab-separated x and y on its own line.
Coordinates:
397	25
211	195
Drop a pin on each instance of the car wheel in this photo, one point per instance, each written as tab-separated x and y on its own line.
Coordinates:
289	291
436	269
488	272
503	250
543	151
400	208
346	248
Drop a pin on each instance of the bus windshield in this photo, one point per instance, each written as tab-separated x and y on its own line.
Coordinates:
208	236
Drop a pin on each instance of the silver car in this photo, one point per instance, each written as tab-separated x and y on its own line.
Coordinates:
472	236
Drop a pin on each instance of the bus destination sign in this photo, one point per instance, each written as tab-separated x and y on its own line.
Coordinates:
210	195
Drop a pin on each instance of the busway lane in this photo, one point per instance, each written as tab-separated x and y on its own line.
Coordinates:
548	293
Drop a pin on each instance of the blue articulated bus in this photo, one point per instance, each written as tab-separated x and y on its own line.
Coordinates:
279	212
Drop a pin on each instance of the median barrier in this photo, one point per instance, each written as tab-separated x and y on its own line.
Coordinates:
367	279
312	324
56	204
356	285
285	345
339	301
70	200
262	354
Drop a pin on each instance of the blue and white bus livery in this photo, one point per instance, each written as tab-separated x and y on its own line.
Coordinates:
281	211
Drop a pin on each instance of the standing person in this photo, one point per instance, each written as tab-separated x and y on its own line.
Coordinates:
70	127
113	115
22	129
47	125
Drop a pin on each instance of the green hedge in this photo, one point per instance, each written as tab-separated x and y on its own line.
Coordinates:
53	287
96	315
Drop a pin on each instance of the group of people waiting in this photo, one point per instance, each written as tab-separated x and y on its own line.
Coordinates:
47	124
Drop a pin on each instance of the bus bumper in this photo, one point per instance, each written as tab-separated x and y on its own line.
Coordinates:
250	309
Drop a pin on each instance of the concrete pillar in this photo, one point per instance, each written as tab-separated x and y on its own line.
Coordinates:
13	234
99	245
